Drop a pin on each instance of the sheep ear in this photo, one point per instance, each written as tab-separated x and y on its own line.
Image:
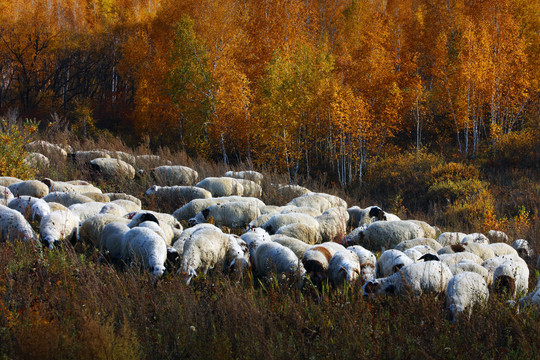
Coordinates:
390	289
396	268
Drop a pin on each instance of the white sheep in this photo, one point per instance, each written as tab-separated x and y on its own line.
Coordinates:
5	195
419	278
495	236
231	214
317	258
291	191
523	248
429	231
303	209
205	249
33	209
47	149
481	249
343	267
253	238
301	231
475	238
86	210
56	206
387	234
150	161
365	216
510	274
222	186
272	258
450	238
414	254
124	196
67	198
297	246
185	234
464	291
279	220
13	226
111	239
8	180
176	195
34	188
193	207
124	156
273	209
390	262
114	209
84	157
407	244
145	245
531	299
367	261
246	174
169	175
58	226
500	248
237	258
260	221
470	266
36	160
314	200
168	224
451	259
251	188
68	186
333	224
113	168
128	205
91	228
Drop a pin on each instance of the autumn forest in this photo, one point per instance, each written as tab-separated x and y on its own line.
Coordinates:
298	86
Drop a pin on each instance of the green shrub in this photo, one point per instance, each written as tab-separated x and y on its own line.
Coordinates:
12	153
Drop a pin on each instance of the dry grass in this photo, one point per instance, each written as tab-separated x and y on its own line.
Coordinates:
70	304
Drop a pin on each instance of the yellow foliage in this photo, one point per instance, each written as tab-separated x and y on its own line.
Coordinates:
12	153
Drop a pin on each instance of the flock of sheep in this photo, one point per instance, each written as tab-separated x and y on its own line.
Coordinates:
305	240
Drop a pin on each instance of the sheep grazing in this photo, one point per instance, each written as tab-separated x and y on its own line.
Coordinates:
33	209
279	220
114	209
365	216
450	238
145	245
510	274
343	267
291	191
475	238
523	248
297	246
67	198
64	186
168	224
195	206
246	174
500	248
8	180
316	260
390	262
464	291
84	157
36	160
86	210
91	228
222	186
314	200
495	236
59	226
272	258
32	188
387	234
113	168
168	175
429	277
46	148
204	250
454	258
176	195
251	188
300	231
13	226
111	239
232	214
470	266
408	244
333	224
123	196
367	261
429	231
253	238
178	244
